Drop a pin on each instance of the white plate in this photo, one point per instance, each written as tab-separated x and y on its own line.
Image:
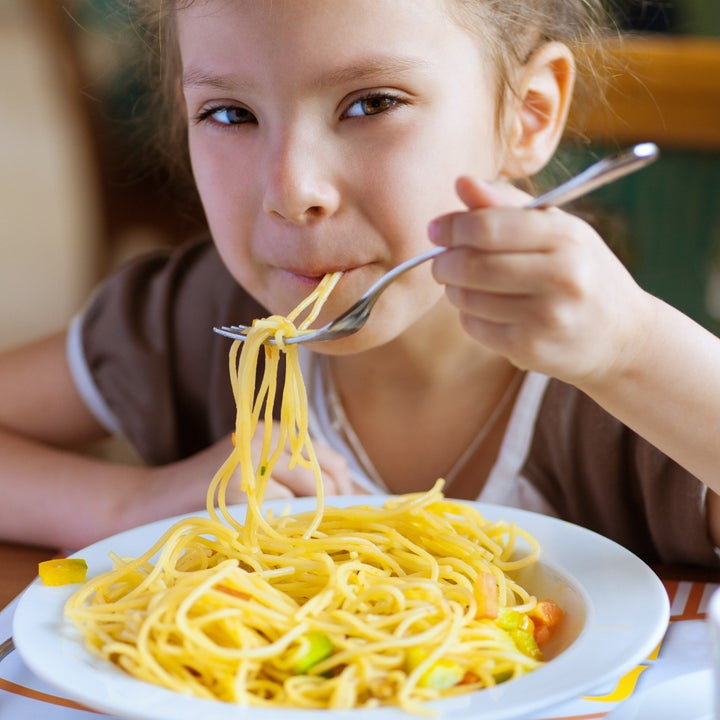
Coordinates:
687	697
616	611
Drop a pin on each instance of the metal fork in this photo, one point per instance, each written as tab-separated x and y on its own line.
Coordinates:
601	173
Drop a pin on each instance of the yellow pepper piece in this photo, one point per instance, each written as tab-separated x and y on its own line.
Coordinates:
63	571
510	619
526	644
441	675
414	656
520	627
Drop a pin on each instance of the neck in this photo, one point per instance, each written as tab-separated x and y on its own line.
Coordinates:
432	403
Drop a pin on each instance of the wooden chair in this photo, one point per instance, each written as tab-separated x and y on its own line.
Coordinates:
663	88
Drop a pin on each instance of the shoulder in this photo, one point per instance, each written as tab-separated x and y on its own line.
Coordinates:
149	348
574	433
599	473
170	275
187	289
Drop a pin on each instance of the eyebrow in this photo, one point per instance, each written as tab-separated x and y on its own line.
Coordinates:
370	69
360	71
195	77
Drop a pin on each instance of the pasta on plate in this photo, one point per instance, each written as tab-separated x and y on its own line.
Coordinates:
334	608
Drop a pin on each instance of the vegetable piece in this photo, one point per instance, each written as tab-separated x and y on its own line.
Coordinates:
441	675
503	674
520	627
318	647
546	616
525	643
509	619
63	571
485	591
414	656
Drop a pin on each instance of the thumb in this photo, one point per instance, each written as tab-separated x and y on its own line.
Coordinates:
478	194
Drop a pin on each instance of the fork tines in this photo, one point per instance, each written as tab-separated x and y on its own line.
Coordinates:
236	332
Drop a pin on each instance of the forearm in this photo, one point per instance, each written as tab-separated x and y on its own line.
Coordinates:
668	390
59	499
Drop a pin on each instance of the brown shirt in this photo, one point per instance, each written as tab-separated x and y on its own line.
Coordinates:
151	354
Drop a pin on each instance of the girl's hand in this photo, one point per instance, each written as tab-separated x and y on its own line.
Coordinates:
287	483
539	287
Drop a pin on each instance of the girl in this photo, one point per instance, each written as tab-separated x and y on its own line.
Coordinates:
329	136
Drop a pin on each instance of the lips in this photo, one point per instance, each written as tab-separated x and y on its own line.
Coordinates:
315	274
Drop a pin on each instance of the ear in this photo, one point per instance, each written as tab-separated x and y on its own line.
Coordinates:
538	112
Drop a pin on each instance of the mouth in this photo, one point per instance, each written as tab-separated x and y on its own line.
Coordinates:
312	277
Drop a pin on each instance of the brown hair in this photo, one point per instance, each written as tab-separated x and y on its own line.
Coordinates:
514	29
511	29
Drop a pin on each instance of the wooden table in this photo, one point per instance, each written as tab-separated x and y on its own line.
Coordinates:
18	567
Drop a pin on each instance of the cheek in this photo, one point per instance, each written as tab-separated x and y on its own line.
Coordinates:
417	186
211	178
422	176
225	193
226	200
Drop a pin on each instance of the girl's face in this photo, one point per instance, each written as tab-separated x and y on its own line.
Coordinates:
326	135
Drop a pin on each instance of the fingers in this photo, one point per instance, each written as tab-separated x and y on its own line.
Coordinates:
277	491
335	471
496	221
538	286
299	480
477	194
285	482
512	273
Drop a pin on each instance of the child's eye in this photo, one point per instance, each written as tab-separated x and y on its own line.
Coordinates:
372	105
226	115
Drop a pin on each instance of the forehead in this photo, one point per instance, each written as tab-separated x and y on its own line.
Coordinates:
317	36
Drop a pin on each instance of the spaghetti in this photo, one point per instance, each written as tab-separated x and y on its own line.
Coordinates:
334	608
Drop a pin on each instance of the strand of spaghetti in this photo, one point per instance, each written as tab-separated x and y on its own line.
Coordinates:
217	491
244	374
323	289
293	412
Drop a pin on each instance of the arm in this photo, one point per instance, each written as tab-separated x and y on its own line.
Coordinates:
543	289
54	495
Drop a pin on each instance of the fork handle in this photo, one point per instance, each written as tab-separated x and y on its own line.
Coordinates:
599	174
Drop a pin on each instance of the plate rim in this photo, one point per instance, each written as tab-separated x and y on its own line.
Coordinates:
142	701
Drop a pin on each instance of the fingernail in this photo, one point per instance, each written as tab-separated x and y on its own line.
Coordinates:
434	231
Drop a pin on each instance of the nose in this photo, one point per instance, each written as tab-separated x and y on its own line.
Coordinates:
299	186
